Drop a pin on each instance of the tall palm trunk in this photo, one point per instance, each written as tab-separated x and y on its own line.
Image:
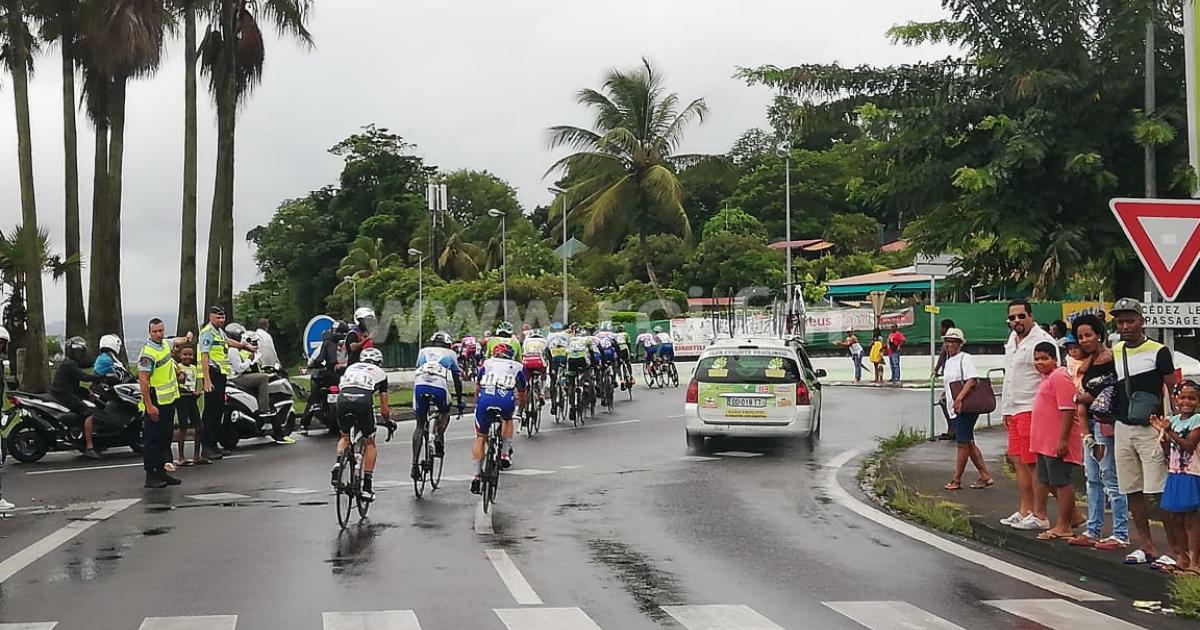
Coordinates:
76	317
36	373
644	247
187	254
104	302
101	258
218	282
116	163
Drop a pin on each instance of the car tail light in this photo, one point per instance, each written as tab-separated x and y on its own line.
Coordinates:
333	389
802	395
693	392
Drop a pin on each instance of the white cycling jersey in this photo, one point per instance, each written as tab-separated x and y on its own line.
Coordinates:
501	377
647	340
362	375
436	367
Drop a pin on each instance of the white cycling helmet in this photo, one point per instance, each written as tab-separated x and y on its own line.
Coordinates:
442	337
606	326
371	355
110	342
4	334
363	313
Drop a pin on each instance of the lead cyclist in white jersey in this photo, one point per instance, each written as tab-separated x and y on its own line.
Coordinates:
356	408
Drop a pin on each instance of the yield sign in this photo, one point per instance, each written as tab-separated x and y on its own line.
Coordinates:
1166	235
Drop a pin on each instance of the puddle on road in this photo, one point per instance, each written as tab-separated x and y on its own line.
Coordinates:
156	531
353	549
650	586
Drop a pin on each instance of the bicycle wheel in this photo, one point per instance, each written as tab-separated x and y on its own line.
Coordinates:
537	417
435	464
345	488
628	375
648	375
363	506
488	474
674	374
419	484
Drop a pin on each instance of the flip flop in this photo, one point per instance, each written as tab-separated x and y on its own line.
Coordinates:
1111	543
1165	564
1050	535
953	485
1082	540
981	484
185	462
1137	556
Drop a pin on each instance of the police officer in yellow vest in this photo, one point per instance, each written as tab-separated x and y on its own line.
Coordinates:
214	364
160	389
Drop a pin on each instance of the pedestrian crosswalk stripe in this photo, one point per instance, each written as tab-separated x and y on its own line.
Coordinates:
209	622
739	454
375	620
218	496
457	478
513	580
883	615
546	619
297	490
720	617
48	625
1059	614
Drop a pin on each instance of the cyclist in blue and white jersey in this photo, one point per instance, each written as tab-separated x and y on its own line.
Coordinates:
437	365
500	383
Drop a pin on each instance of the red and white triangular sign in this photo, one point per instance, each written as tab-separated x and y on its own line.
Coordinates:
1165	233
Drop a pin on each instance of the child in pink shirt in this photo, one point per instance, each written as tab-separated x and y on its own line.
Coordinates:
1055	436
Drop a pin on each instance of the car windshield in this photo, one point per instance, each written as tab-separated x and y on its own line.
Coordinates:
747	368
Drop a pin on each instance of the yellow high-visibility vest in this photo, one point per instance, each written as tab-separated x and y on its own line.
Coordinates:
218	354
163	379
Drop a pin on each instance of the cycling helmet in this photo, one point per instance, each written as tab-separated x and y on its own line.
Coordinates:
606	326
621	328
536	333
4	334
556	327
235	331
658	329
503	351
487	333
441	338
505	329
363	313
111	343
74	345
371	355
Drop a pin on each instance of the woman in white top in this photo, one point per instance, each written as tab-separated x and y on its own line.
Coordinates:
960	368
856	352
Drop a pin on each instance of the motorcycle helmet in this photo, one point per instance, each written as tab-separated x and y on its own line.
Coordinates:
363	313
441	338
75	347
4	334
505	329
503	351
235	331
252	338
112	343
372	355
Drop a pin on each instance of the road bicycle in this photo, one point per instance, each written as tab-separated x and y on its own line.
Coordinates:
350	464
531	420
489	476
574	398
625	375
430	463
607	386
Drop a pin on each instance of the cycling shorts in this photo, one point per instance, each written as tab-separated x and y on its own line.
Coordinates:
650	352
608	354
440	400
507	405
624	353
559	362
577	365
356	408
534	362
667	352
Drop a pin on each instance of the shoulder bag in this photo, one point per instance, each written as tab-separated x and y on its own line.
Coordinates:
980	400
1140	405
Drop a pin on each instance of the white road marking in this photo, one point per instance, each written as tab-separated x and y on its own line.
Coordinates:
55	471
527	472
512	578
1058	614
720	617
198	622
1013	571
698	458
457	478
388	483
738	454
218	496
887	615
483	520
34	510
374	620
546	619
570	467
48	625
677	416
297	490
37	550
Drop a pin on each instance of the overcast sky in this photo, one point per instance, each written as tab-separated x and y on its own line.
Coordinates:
473	83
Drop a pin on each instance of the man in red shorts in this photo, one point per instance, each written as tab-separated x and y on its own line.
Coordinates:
1021	381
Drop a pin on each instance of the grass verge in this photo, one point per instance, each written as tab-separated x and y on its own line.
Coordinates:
886	485
1185	596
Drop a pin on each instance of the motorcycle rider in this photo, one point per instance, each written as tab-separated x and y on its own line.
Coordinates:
324	369
65	388
257	383
106	362
4	339
360	337
356	407
436	364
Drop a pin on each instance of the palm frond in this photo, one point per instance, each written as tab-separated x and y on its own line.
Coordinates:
576	138
290	17
670	139
666	195
585	161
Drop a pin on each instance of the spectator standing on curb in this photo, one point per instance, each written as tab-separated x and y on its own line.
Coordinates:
960	368
159	381
4	339
877	357
895	344
1181	495
1056	437
1095	399
938	370
214	349
1021	381
1143	367
856	352
187	408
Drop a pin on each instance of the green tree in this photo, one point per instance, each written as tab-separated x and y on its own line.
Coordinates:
623	170
472	194
17	268
668	254
734	221
728	260
366	258
853	232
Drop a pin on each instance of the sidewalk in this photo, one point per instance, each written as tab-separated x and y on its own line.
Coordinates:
927	467
914	370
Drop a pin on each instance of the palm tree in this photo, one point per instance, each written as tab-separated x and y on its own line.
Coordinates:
18	60
367	256
122	40
187	318
460	259
15	264
622	175
232	55
59	24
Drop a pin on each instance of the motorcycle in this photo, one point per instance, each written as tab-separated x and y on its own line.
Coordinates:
38	424
243	419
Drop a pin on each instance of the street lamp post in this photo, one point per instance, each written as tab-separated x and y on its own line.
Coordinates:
566	315
499	214
353	288
420	293
785	151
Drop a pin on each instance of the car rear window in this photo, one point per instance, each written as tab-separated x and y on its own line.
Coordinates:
747	368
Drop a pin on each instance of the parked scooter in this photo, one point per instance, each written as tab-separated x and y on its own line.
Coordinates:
38	424
243	418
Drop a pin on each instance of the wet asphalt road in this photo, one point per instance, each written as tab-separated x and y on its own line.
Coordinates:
612	523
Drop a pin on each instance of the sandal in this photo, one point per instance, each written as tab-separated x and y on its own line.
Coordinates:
169	467
1165	564
953	485
185	462
1051	535
1083	540
980	484
1112	543
1137	556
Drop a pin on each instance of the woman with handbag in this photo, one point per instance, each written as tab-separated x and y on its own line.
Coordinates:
967	396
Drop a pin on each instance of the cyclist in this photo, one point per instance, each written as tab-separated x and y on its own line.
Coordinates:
649	343
504	336
356	407
535	351
500	383
606	340
470	349
557	344
622	339
666	345
436	366
579	356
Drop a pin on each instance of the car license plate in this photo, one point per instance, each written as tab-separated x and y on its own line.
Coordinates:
747	402
331	398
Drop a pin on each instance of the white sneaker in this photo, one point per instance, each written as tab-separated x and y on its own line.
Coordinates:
1012	519
6	506
1032	523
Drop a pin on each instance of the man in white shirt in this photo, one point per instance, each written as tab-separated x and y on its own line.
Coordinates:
1021	381
266	344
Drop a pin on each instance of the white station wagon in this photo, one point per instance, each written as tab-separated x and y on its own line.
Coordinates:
753	388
